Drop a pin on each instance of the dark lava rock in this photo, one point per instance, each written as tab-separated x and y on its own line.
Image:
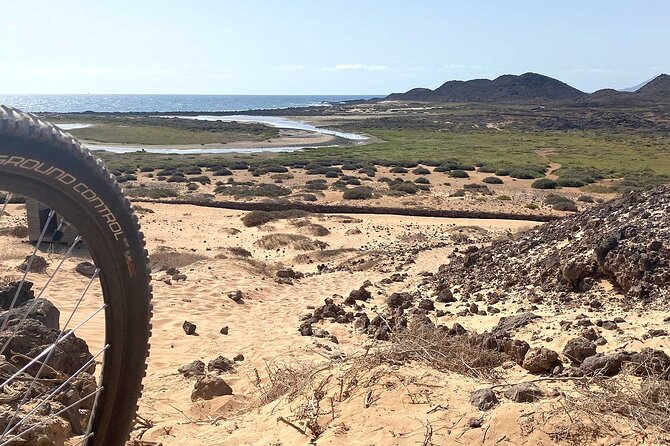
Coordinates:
578	349
236	296
189	328
224	330
426	304
8	291
600	364
484	399
86	269
540	360
42	310
287	273
37	265
524	393
655	333
209	387
361	322
475	422
445	296
359	294
513	323
196	368
220	364
473	308
32	337
516	349
238	357
651	362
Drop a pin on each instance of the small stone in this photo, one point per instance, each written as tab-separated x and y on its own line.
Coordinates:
189	328
426	304
475	422
220	364
484	399
578	349
196	368
238	357
86	269
524	393
540	360
224	330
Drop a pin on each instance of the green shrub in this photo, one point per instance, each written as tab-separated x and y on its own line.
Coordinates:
408	188
316	186
503	172
570	182
192	170
421	171
192	186
441	169
152	192
422	180
222	172
560	203
358	193
544	183
259	190
504	197
398	169
532	206
487	169
459	173
492	180
258	218
202	179
176	179
523	174
332	174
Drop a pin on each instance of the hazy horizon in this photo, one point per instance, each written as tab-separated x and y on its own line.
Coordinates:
359	47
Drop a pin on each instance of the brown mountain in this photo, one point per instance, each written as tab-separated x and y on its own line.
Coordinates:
656	91
506	88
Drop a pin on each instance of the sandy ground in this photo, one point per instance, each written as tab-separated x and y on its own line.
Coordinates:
384	404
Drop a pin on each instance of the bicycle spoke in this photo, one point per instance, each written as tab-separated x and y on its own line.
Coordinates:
35	301
4	205
47	420
27	269
50	396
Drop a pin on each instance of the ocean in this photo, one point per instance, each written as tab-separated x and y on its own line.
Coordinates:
163	103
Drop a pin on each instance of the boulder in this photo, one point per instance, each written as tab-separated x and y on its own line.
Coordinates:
524	393
578	349
209	387
196	368
220	364
86	269
540	360
484	399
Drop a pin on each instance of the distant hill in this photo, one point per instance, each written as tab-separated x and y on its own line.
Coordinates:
652	92
506	88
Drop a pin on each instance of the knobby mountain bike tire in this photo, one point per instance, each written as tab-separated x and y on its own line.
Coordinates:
41	162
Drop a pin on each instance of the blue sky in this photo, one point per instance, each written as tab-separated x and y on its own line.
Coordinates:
323	47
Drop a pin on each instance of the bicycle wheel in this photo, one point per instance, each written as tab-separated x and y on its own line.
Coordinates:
74	379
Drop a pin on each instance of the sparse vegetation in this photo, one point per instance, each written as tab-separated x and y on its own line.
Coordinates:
358	193
293	241
544	183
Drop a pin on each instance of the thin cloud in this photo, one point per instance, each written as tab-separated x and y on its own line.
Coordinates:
356	67
291	68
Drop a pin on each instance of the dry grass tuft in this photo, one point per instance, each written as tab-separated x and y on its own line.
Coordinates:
164	257
293	241
603	402
258	218
310	228
326	254
433	347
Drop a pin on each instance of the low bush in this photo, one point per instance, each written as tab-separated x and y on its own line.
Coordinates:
192	186
422	180
570	182
293	241
560	203
223	172
492	180
257	218
316	186
258	190
202	179
586	199
544	183
398	169
459	173
487	169
407	188
503	172
152	192
421	171
176	179
358	193
504	198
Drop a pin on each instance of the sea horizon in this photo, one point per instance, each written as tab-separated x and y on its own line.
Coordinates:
165	103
